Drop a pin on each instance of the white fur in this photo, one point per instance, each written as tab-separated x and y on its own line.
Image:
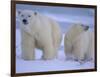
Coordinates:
79	43
40	32
83	46
70	35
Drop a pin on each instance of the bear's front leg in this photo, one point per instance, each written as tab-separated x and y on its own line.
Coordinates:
79	56
79	52
27	47
49	52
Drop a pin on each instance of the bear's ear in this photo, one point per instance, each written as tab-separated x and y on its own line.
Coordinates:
19	12
35	13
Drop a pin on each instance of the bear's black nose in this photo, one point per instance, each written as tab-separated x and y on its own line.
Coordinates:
24	20
86	27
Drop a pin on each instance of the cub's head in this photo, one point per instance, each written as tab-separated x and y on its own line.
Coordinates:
79	27
26	16
85	27
75	30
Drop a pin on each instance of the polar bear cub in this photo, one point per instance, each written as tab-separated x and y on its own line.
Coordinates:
79	42
38	31
83	46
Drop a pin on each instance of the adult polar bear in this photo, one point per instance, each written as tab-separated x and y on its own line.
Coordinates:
79	42
38	31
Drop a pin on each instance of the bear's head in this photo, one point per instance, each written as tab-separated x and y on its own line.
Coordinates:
75	30
85	27
26	17
79	27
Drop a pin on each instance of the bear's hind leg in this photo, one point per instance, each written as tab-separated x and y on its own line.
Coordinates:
68	49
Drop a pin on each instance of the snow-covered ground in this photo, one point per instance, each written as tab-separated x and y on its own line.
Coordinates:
39	65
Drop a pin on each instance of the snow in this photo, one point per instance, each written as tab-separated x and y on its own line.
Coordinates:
39	65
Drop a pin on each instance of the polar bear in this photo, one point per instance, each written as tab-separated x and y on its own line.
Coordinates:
83	46
38	31
70	37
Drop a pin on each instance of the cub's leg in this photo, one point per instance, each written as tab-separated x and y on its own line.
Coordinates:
80	47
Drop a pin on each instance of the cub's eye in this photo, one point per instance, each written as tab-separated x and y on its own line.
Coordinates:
22	15
29	15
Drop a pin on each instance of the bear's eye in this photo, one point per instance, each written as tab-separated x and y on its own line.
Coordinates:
29	15
22	15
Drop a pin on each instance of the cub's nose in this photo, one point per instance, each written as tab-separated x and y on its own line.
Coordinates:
86	27
24	20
